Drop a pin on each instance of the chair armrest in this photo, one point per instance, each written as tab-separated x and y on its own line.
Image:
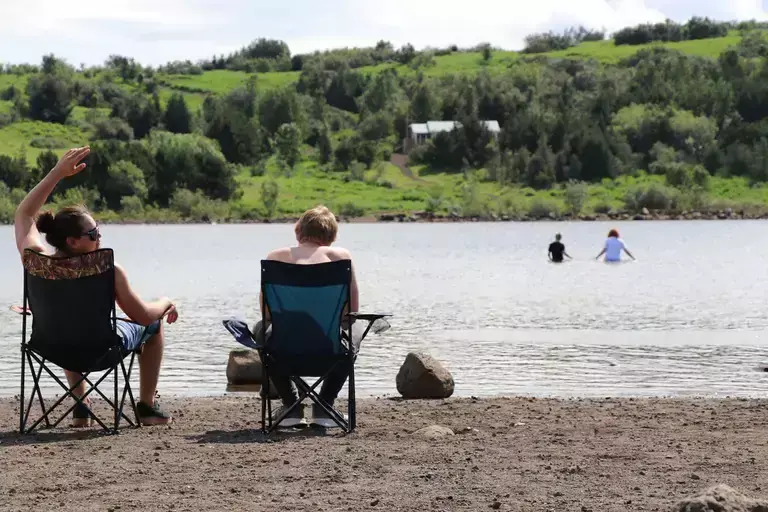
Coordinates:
238	328
376	322
370	317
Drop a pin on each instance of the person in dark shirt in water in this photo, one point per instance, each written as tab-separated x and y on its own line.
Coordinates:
557	250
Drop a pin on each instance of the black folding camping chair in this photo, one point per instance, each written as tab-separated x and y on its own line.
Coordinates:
307	309
74	326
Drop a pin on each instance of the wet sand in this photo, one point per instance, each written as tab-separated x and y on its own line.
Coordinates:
507	454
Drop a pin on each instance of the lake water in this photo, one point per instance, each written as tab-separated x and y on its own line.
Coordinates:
688	318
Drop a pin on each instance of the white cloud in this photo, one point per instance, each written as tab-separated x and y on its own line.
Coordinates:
500	22
155	31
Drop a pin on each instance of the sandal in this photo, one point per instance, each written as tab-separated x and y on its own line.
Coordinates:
152	415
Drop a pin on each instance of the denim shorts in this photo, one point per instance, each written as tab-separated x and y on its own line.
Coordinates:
134	335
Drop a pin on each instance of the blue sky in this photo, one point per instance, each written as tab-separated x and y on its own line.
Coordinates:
156	31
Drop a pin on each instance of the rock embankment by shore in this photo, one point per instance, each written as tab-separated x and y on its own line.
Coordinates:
423	216
645	214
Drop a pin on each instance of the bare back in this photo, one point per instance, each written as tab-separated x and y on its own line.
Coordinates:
310	254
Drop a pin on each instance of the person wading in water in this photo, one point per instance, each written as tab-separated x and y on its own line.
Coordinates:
557	250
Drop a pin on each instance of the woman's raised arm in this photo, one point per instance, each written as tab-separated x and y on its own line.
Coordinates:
27	236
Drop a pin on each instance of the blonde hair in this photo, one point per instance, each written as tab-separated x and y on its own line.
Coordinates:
317	225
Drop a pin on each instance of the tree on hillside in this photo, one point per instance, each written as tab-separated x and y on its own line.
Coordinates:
14	172
125	67
382	93
406	54
425	103
324	147
46	161
50	94
270	192
177	118
52	65
112	128
186	161
265	49
288	142
140	112
125	179
487	52
377	126
232	123
279	107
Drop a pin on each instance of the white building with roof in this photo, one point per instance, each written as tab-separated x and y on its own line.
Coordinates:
419	133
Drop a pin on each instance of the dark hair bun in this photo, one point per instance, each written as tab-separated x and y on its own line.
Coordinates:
45	222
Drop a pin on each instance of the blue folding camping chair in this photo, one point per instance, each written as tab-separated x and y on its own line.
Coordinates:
307	309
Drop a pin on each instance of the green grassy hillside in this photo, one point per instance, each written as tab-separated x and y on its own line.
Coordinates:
383	187
222	81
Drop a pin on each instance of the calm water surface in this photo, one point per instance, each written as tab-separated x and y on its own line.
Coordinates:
688	318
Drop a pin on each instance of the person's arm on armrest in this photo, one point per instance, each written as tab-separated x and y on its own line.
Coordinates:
354	293
137	310
27	235
261	307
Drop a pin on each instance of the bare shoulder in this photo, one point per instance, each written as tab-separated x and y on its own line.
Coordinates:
282	254
120	272
338	253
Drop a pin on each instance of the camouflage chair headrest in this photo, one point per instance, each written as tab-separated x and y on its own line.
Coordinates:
74	267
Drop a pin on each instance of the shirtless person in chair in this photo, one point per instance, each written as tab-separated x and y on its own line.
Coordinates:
315	231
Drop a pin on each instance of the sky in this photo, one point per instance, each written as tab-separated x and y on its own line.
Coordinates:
158	31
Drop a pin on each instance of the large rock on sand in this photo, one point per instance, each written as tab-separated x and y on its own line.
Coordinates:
722	498
422	376
244	368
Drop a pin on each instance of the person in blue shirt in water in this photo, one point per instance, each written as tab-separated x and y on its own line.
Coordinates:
613	247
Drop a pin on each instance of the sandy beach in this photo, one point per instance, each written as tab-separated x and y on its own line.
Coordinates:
507	454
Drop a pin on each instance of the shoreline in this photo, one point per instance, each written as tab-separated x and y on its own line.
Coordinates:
425	218
505	453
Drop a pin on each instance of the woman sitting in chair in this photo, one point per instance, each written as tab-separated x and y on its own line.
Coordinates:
73	231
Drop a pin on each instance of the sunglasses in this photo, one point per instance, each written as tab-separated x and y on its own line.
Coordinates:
93	234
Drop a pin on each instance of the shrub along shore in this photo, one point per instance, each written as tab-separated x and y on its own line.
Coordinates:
423	217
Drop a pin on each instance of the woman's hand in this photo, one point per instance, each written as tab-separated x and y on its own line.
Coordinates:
171	315
70	164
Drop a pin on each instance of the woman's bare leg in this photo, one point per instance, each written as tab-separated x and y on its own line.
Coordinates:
79	391
150	360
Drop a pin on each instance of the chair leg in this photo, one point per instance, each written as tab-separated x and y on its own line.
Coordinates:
25	406
306	390
69	393
35	392
129	391
21	398
117	409
115	405
266	406
40	393
352	407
